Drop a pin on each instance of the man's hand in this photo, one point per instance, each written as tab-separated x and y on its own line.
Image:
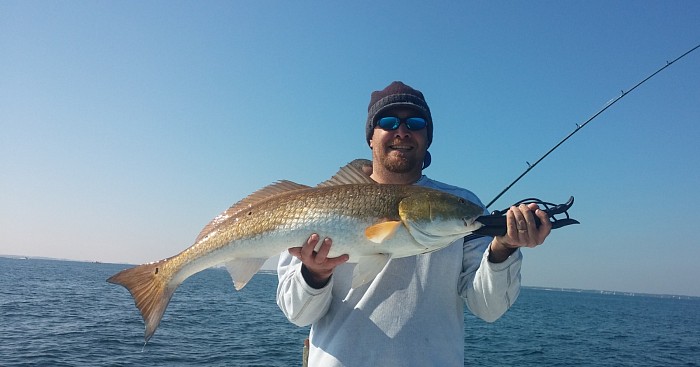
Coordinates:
522	231
317	267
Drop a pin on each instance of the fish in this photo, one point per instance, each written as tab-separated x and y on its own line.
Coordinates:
370	222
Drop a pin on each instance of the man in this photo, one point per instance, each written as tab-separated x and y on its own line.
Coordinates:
411	314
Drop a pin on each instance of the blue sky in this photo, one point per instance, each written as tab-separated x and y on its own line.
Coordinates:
126	126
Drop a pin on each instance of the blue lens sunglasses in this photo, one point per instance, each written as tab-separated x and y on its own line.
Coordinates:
390	123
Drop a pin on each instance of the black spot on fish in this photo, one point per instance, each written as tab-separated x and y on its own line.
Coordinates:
156	270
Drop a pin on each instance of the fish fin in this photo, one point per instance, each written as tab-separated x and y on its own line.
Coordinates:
367	268
380	232
355	172
151	288
242	270
252	199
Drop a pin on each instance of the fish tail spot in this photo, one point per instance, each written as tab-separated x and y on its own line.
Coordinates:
151	292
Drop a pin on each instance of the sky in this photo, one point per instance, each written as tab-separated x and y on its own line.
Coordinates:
125	126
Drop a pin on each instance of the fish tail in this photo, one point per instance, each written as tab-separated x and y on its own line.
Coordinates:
150	286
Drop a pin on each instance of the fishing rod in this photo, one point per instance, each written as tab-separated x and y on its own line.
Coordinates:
579	127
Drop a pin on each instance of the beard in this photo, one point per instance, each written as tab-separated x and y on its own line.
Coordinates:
399	163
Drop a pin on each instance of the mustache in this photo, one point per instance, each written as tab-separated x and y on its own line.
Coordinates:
400	141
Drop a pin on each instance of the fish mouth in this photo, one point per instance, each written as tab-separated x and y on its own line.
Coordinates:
469	222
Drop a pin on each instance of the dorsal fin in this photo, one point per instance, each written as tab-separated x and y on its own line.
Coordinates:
252	199
268	192
355	172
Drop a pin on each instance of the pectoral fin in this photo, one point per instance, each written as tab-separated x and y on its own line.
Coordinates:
367	268
380	232
242	270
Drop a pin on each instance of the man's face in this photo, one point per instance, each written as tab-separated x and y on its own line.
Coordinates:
400	150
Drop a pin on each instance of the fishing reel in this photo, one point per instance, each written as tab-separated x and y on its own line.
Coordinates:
495	223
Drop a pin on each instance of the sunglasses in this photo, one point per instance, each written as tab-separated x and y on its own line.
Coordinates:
390	123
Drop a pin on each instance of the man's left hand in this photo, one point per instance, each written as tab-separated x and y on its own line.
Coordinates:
522	231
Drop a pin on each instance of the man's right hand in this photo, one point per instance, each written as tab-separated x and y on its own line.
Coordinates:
317	267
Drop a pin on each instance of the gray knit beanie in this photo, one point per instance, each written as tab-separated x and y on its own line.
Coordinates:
397	94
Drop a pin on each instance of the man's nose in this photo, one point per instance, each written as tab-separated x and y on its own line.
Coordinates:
402	131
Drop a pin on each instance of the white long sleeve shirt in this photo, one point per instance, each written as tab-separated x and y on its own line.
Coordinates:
411	314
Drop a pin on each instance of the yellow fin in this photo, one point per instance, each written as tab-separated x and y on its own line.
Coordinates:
380	232
151	288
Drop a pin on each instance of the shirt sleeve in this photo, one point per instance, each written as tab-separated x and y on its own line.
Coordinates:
300	303
489	289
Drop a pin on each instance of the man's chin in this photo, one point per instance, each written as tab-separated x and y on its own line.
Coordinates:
399	165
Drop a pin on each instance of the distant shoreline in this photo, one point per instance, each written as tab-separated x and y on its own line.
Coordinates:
272	272
612	293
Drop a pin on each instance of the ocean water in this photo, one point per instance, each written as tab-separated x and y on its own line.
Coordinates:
64	313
